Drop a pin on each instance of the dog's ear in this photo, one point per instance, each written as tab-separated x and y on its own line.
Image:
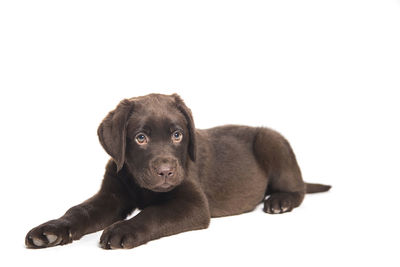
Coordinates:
112	132
180	105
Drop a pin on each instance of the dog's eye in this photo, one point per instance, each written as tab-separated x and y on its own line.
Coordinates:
177	136
141	139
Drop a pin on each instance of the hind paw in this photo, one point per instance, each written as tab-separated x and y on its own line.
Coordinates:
279	203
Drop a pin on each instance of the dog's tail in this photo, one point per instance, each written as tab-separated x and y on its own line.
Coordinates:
316	188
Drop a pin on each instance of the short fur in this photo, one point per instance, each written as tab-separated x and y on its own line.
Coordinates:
178	186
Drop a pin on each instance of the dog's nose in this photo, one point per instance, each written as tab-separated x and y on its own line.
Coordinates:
166	171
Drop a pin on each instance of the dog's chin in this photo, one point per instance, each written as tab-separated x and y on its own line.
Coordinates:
163	188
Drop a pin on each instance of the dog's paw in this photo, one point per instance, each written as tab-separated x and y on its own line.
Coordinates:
279	203
49	234
121	235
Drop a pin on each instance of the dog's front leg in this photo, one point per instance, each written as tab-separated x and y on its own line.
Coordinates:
112	203
186	209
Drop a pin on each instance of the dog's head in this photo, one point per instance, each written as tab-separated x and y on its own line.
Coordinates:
154	136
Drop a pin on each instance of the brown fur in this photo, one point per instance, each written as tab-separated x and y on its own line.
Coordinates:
177	185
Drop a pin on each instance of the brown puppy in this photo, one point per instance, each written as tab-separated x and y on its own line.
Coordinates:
178	176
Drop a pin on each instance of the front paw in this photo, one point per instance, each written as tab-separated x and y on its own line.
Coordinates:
49	234
122	235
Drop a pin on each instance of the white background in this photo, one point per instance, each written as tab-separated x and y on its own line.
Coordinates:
324	73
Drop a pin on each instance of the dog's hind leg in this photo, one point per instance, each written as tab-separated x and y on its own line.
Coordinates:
285	188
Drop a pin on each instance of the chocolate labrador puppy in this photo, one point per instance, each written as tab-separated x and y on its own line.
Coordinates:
177	175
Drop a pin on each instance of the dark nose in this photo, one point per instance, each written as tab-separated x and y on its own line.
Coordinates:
166	171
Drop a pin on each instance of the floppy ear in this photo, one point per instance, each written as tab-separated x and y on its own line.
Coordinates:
112	132
180	105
